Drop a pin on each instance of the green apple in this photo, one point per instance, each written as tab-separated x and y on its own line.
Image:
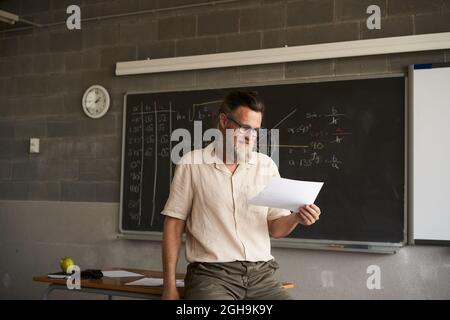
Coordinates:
65	263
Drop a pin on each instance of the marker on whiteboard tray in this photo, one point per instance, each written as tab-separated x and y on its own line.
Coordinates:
349	246
357	246
340	246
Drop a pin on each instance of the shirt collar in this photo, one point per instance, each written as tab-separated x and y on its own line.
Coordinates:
211	157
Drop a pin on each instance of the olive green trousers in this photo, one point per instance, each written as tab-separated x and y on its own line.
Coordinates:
237	280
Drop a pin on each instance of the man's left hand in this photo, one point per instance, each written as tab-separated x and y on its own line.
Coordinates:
308	214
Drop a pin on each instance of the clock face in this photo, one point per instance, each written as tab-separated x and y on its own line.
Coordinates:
95	101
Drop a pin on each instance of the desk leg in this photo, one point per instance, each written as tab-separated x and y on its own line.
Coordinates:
47	291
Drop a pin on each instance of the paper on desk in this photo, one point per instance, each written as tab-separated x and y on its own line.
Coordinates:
287	194
120	274
152	282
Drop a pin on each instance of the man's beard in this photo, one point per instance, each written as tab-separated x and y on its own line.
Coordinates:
238	148
243	152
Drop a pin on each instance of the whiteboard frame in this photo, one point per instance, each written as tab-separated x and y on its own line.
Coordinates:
298	243
411	154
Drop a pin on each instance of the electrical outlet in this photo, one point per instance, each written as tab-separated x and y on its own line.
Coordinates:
34	145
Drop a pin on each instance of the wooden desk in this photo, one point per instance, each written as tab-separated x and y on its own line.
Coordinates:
111	286
116	286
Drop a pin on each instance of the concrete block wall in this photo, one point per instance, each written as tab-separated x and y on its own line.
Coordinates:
44	72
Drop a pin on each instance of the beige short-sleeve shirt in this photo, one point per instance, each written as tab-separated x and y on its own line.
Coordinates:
220	225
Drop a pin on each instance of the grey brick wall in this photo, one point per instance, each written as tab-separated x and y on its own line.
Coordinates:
44	72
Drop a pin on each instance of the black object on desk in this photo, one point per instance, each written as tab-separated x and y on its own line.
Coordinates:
91	274
85	274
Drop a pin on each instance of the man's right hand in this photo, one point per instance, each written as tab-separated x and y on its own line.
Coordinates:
170	294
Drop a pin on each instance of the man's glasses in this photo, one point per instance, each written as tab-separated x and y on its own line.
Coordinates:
244	128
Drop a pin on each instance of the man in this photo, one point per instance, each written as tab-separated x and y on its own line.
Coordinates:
227	240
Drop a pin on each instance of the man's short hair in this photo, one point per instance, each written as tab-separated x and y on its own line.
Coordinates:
236	99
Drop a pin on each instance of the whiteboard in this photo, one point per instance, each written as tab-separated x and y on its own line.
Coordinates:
431	153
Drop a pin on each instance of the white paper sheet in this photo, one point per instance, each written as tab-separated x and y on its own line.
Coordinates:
120	274
287	194
152	282
58	275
